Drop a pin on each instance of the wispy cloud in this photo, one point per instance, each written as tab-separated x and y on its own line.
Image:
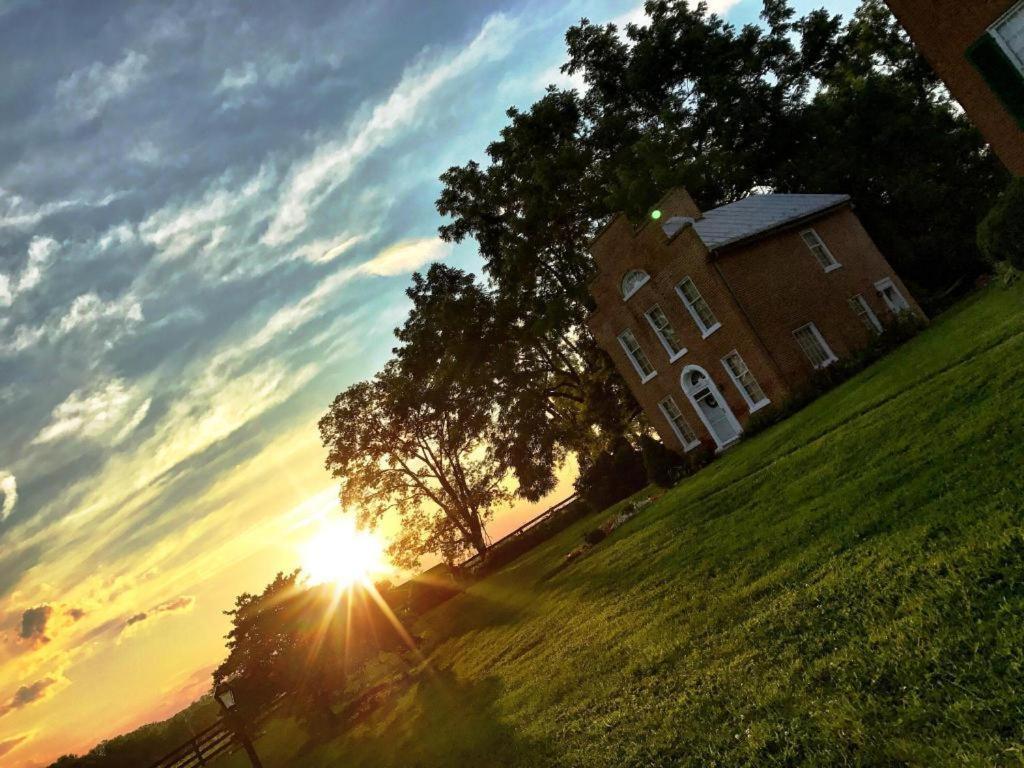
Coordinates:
406	256
86	92
27	694
109	410
9	490
314	178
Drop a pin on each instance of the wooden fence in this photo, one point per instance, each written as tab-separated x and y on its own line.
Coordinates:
528	525
212	742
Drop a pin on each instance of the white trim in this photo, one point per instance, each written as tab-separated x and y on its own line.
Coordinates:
700	413
646	279
644	378
867	311
993	31
672	355
705	331
830	355
833	262
752	407
886	282
687	446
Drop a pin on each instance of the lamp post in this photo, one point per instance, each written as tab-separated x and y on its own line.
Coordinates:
225	696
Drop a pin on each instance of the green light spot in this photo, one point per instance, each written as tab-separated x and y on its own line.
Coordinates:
655	214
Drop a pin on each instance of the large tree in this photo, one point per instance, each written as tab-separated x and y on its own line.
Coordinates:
794	104
418	440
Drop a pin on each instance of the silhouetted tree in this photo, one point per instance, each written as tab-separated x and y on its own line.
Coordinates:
418	440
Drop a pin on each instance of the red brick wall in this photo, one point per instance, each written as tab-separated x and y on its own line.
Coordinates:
782	286
944	30
668	263
777	281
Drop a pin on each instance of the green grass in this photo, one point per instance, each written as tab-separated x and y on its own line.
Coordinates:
846	588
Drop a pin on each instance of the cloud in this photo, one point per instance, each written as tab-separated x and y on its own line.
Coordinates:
313	179
33	624
75	614
9	491
85	93
8	745
404	257
106	321
108	410
327	250
40	249
238	79
27	694
136	618
183	603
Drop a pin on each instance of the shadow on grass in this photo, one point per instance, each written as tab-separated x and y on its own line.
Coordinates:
441	720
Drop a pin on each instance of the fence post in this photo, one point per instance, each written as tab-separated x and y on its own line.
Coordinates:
199	752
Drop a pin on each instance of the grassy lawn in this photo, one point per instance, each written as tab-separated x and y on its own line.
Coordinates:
846	588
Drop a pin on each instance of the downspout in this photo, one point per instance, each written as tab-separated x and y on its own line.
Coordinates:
750	323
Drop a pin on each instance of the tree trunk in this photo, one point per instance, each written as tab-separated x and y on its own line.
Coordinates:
476	534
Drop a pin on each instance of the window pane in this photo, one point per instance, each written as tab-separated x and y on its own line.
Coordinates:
679	423
636	354
817	246
699	308
744	378
662	326
632	281
812	347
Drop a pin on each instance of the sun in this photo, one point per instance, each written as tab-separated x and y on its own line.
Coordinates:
342	554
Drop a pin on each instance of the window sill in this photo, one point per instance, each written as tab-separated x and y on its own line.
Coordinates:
645	379
687	447
826	364
710	330
678	355
763	404
833	267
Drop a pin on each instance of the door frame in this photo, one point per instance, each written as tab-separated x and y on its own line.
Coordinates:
716	392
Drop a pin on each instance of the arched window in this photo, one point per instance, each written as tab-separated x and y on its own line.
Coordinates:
632	282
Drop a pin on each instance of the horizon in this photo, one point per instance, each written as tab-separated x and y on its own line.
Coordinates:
208	221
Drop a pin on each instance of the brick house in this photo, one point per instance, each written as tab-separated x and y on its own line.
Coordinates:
712	316
977	48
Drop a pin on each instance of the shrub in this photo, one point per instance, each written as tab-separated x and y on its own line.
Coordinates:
616	473
595	536
1001	232
661	464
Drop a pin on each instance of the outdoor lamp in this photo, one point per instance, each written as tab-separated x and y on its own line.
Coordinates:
225	696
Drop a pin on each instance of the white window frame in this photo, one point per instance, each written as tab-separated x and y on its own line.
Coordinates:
865	311
752	407
672	355
633	289
994	32
644	377
705	331
687	445
830	355
833	264
886	282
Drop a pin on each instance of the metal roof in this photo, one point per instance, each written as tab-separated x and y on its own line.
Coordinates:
756	214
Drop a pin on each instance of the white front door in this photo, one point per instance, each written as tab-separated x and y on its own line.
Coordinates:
722	428
710	406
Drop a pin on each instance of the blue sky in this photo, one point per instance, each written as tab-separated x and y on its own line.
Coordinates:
208	216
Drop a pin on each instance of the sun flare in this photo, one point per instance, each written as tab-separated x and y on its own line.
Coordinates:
340	553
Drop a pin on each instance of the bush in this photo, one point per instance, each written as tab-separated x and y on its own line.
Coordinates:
1001	232
595	536
661	464
615	474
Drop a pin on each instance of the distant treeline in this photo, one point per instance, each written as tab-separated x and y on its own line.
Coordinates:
149	743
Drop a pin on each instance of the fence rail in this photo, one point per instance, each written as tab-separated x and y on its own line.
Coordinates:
209	743
544	516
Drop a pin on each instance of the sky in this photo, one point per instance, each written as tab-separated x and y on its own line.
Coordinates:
209	213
